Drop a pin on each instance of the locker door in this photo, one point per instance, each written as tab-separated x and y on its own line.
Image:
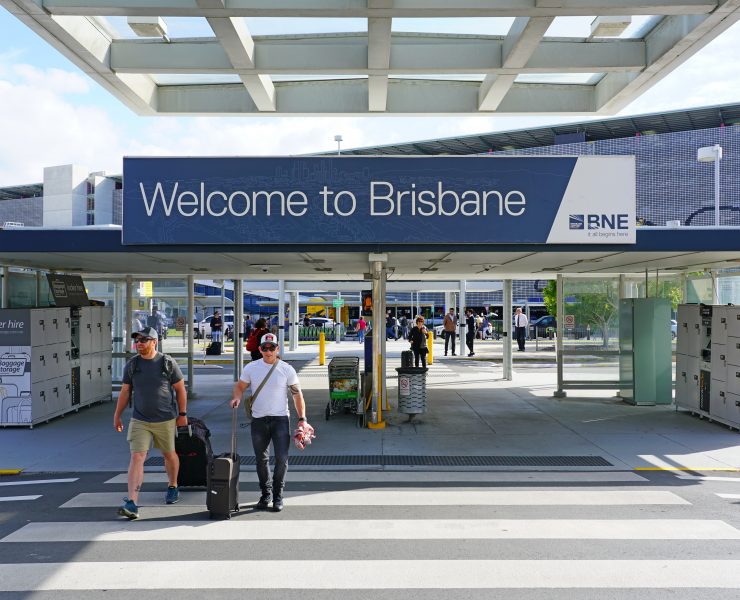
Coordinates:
733	379
719	325
40	327
733	351
41	363
64	326
692	383
733	409
85	330
682	379
107	385
733	320
719	361
86	379
718	402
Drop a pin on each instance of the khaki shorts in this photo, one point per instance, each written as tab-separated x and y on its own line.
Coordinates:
141	434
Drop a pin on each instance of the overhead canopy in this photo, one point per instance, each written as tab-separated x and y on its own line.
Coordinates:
597	61
100	251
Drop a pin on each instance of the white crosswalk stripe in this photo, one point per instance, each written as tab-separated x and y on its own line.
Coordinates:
463	526
18	498
374	497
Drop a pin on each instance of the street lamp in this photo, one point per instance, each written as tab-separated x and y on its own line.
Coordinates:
712	154
338	140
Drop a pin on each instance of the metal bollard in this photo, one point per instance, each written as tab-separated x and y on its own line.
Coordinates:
430	347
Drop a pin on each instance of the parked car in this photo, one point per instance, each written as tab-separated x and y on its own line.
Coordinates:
674	329
321	322
204	328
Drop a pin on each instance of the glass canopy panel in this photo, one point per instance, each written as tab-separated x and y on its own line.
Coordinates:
565	78
292	26
193	79
442	77
483	26
283	77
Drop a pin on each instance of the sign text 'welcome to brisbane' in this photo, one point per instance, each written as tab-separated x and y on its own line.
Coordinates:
414	200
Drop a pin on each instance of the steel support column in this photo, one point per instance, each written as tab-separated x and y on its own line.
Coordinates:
507	329
378	271
189	328
238	328
295	320
560	392
281	313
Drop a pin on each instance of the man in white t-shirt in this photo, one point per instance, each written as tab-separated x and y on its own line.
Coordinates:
520	328
271	416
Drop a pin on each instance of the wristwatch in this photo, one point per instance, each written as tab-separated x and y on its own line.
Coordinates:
301	419
182	414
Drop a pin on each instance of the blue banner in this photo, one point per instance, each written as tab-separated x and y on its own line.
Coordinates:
414	200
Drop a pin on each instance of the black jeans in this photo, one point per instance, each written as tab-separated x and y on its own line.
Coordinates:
521	335
450	338
420	354
469	339
277	431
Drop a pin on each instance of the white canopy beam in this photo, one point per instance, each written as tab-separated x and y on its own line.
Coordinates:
351	54
520	44
236	41
360	8
378	56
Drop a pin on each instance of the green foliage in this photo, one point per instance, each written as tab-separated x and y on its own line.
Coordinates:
550	296
668	289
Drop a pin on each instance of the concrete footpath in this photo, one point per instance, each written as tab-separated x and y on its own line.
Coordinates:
475	420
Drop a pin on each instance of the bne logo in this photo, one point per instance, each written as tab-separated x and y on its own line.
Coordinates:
613	221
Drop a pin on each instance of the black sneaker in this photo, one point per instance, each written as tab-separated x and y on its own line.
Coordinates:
277	504
264	502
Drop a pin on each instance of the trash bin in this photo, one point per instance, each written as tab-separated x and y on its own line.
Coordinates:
412	390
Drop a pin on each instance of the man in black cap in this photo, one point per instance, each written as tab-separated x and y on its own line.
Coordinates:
160	406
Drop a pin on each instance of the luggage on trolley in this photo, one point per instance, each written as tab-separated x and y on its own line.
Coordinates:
345	394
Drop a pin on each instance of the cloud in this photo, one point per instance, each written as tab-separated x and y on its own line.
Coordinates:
53	116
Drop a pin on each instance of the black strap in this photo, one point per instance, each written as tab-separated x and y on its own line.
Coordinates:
253	397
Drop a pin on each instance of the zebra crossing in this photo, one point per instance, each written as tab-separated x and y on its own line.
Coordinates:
400	530
35	482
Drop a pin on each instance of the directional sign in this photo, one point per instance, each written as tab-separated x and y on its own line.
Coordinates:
337	302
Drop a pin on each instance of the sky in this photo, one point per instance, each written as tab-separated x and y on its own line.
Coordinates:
51	113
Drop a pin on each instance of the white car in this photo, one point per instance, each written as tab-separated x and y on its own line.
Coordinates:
321	322
204	327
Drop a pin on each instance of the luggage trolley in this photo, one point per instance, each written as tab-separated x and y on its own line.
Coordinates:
344	388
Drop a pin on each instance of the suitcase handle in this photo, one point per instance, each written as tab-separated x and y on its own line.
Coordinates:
182	430
233	433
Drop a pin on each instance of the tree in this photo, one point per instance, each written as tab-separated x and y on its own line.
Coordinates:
550	296
595	306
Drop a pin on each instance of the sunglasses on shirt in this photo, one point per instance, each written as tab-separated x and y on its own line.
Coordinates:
268	348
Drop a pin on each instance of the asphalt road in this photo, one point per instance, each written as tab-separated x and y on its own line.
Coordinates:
384	535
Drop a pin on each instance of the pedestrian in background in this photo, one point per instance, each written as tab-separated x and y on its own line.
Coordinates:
470	331
449	328
418	339
520	328
360	328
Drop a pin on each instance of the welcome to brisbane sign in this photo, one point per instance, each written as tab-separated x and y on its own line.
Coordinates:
345	200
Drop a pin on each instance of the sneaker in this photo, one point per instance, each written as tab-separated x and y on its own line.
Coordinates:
264	502
277	504
172	495
129	509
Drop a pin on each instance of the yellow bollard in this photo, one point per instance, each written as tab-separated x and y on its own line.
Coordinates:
322	348
380	424
430	347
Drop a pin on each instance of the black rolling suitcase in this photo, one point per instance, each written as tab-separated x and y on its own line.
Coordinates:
193	447
407	358
222	496
213	349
